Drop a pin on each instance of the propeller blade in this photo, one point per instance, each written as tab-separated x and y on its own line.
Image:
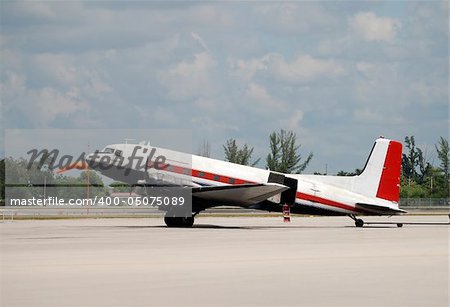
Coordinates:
80	165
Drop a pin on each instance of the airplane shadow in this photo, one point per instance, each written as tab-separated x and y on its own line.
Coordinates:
209	226
367	225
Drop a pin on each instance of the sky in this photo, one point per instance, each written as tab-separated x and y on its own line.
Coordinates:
339	74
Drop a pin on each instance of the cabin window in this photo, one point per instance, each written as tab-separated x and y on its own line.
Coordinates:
201	174
231	180
216	177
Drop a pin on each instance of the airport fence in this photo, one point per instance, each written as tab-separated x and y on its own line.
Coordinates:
425	203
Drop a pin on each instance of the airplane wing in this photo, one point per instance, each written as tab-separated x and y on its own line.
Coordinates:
238	195
379	209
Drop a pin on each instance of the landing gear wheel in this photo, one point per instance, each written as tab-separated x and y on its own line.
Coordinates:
187	221
170	221
179	221
359	223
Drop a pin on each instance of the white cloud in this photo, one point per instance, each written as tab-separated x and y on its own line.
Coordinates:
42	106
373	28
58	88
303	68
64	71
209	15
246	70
428	93
293	18
200	40
50	102
259	94
13	85
367	115
378	116
167	65
59	68
190	79
306	68
294	120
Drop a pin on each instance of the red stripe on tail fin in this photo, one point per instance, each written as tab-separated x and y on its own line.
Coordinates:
389	187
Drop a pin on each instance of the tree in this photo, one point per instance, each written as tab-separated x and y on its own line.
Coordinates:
120	187
411	189
27	181
354	173
238	155
415	165
409	159
96	187
284	154
443	152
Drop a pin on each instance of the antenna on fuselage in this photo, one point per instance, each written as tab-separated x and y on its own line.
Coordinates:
127	140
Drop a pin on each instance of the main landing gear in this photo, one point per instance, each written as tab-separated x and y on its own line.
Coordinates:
358	222
184	222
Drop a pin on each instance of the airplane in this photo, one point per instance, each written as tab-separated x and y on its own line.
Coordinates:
214	182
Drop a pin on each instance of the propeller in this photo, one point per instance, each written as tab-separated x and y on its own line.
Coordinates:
79	165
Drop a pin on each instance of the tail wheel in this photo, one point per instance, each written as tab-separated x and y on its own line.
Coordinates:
358	222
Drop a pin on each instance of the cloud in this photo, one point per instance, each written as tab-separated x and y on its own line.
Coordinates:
190	78
294	120
335	73
42	106
372	28
258	94
378	116
246	70
304	68
293	18
200	40
12	85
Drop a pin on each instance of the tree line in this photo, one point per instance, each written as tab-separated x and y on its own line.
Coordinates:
25	182
284	155
420	177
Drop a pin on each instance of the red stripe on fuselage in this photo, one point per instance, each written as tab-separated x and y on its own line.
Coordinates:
325	201
227	179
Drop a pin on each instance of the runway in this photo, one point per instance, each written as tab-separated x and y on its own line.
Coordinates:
225	261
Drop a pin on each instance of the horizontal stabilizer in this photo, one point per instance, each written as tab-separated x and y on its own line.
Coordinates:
240	195
379	209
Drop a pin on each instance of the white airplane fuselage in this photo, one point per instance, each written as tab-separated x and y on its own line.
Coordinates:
374	192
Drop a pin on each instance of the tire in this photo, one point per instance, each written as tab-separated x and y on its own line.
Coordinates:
359	223
185	222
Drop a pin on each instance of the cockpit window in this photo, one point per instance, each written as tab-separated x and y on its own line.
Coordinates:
118	153
107	150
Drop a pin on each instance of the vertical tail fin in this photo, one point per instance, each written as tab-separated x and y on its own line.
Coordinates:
381	175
